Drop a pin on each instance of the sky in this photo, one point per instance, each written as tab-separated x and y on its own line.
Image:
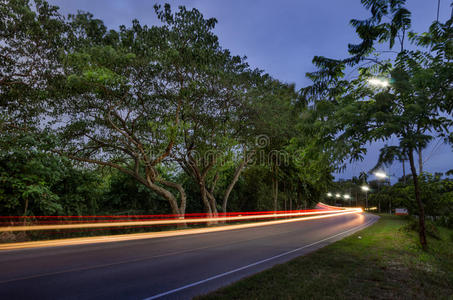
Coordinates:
281	38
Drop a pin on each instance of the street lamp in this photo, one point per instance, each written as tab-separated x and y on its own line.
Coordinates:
380	175
337	196
347	197
379	82
329	195
365	188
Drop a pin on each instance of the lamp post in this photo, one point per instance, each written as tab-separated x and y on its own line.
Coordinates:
381	83
365	188
329	195
381	176
347	197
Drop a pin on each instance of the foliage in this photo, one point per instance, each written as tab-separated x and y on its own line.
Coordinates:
162	119
30	43
412	103
35	182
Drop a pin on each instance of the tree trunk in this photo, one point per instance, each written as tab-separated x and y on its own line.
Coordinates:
200	178
420	160
209	200
25	211
166	194
284	193
404	173
183	197
233	182
204	197
212	202
275	191
26	207
214	183
421	210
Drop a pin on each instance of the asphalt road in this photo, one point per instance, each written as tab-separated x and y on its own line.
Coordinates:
166	268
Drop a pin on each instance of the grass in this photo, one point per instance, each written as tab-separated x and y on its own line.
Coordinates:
383	261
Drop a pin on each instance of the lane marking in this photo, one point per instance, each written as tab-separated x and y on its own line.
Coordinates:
254	264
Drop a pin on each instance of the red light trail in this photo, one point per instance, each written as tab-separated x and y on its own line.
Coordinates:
322	211
151	220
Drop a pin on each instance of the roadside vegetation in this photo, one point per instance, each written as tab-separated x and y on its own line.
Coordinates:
164	120
436	192
384	261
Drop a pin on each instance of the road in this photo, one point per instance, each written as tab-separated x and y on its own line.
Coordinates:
177	267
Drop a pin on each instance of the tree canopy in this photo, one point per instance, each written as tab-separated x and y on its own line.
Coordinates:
167	115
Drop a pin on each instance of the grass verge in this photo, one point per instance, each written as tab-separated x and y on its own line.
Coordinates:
383	261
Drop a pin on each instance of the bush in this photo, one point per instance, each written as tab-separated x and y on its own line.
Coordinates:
430	227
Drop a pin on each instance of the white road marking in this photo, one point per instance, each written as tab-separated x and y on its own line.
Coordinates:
253	264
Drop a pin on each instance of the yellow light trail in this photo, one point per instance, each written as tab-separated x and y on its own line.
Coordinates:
164	222
171	233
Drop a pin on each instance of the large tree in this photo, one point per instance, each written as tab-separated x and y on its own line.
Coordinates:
142	97
401	97
124	101
215	87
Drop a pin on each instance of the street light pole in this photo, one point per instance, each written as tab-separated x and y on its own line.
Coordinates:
329	195
366	199
379	196
380	175
347	197
390	199
366	189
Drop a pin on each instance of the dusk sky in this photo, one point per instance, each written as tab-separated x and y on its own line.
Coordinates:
281	38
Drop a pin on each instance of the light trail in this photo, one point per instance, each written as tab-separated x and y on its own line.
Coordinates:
149	235
172	221
170	216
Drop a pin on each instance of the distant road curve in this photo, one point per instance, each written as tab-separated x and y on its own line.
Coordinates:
175	267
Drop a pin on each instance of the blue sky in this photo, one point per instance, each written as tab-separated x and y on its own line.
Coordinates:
281	38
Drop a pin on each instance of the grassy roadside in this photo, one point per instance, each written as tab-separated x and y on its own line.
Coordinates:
384	263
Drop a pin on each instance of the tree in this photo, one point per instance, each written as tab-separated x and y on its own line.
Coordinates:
124	102
215	84
273	121
163	108
409	108
35	182
30	44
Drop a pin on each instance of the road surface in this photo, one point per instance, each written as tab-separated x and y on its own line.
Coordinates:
178	267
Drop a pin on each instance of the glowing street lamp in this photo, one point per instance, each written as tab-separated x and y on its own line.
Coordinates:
380	175
347	197
365	188
379	82
337	195
329	195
